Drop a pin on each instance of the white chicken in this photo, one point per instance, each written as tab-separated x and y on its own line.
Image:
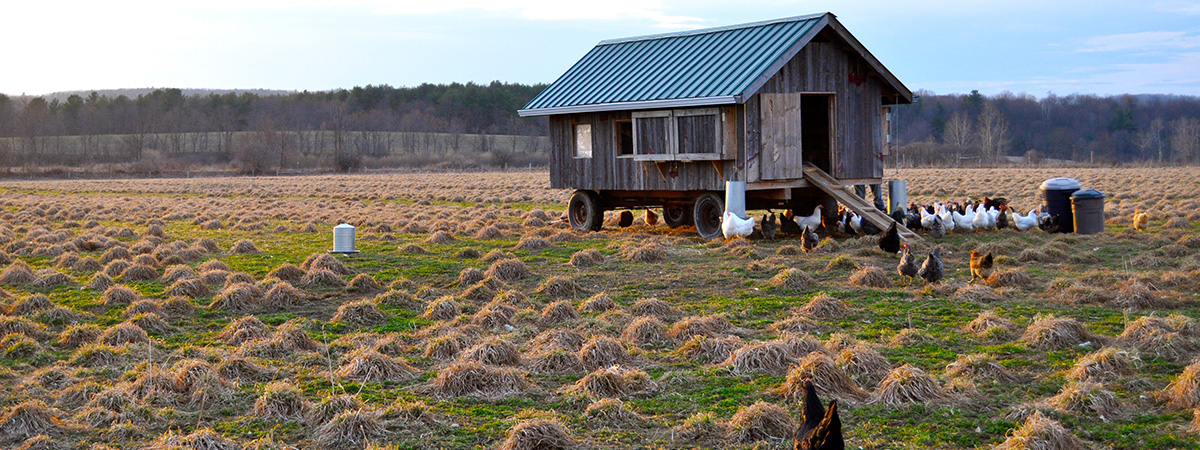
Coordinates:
980	221
856	222
947	217
966	222
1025	223
813	221
732	225
992	214
926	218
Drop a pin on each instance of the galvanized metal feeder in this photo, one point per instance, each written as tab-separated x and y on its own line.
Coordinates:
343	239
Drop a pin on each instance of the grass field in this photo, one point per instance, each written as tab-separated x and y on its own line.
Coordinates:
208	314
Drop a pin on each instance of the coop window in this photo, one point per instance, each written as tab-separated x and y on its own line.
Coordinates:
624	138
652	133
583	140
698	131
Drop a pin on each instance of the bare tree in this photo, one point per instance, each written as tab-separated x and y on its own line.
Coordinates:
1185	139
993	132
1150	140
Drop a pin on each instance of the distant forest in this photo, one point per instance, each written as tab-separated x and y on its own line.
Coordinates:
471	125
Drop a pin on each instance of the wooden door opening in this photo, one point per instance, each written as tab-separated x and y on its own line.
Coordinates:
817	130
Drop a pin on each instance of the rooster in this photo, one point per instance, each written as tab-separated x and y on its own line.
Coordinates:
734	226
818	431
813	221
980	265
908	264
932	269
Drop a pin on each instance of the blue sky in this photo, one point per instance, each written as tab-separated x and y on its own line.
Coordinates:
1035	47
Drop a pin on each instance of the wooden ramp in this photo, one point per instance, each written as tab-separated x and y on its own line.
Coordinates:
846	197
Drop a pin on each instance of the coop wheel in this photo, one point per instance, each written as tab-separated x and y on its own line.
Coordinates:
584	211
677	215
707	215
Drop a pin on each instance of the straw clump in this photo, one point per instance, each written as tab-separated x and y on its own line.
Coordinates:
613	381
870	276
350	429
830	379
541	434
1184	391
469	378
1039	432
907	384
1101	364
509	270
978	367
370	365
1050	332
792	278
1086	397
761	421
772	358
361	312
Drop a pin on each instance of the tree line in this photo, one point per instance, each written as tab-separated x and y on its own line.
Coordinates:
973	129
474	125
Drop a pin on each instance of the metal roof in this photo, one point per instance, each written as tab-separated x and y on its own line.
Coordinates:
695	68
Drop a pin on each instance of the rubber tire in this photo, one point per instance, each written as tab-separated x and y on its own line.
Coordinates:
677	215
706	213
585	212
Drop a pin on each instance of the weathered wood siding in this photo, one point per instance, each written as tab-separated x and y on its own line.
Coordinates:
821	67
606	171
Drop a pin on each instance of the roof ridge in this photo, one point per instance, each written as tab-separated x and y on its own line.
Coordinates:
650	37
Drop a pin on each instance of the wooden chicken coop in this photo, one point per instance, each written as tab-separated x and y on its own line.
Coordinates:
796	107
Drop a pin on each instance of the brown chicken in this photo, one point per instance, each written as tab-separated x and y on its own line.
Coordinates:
980	265
1140	221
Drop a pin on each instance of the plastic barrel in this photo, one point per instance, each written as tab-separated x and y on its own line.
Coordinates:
1088	208
343	239
735	198
1056	197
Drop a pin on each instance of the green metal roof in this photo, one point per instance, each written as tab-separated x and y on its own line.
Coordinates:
695	68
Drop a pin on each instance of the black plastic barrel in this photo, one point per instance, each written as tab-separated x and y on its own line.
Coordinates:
1088	208
1056	198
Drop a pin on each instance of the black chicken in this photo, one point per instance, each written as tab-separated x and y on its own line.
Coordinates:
932	269
818	431
890	242
788	225
1050	224
770	228
1002	218
808	240
994	202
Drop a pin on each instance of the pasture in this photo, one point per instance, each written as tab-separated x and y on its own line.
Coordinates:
208	313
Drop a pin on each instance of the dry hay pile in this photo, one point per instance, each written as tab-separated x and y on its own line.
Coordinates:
177	272
612	412
646	331
557	287
1041	433
602	351
139	272
979	367
761	421
701	428
709	350
31	418
237	297
792	278
361	313
557	338
1013	277
990	325
290	273
906	384
771	358
494	351
823	306
350	429
708	326
322	279
323	261
509	270
1101	364
650	253
119	295
797	324
532	244
654	307
79	334
613	381
243	329
976	293
201	439
541	434
557	313
831	381
1184	391
124	333
1172	337
370	365
1053	333
17	273
870	276
469	276
1135	294
363	284
864	364
444	308
440	237
587	257
1086	397
281	295
243	247
556	361
29	305
468	378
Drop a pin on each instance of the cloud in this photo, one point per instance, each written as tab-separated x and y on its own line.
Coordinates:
1149	41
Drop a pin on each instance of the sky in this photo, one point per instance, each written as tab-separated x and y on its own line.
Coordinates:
942	46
